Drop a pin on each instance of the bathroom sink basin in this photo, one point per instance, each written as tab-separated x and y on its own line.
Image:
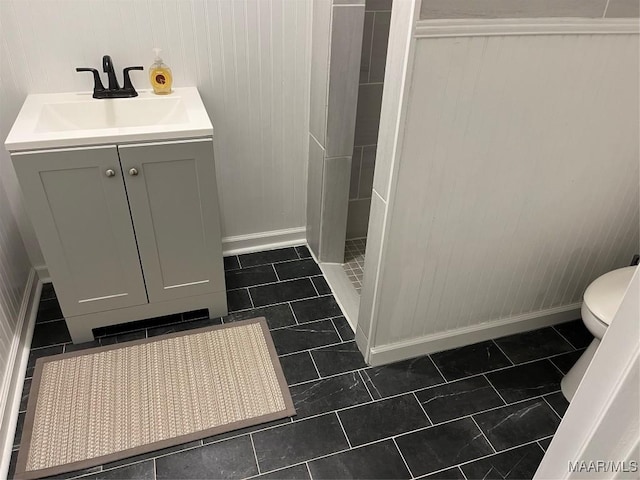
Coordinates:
78	119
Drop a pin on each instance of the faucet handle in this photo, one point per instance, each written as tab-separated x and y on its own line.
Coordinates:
97	83
127	79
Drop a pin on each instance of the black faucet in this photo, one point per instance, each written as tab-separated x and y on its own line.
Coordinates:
113	90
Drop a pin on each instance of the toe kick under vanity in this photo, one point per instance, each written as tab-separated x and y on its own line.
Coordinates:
122	195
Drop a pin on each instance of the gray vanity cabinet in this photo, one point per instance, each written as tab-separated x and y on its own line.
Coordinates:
172	195
128	231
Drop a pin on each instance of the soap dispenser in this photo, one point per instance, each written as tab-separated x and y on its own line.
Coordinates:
160	75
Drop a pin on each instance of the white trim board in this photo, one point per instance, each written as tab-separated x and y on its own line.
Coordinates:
525	26
256	242
460	337
11	393
343	291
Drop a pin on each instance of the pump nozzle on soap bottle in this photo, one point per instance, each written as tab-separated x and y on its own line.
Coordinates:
160	75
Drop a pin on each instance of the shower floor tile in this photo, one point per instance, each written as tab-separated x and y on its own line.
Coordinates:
437	415
353	264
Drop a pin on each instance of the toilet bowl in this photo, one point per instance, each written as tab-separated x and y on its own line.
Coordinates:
600	303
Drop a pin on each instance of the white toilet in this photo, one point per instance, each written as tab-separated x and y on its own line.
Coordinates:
600	303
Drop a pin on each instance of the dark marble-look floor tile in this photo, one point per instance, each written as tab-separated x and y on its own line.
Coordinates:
75	347
298	472
457	399
297	268
156	453
544	443
343	328
84	474
242	431
231	262
136	471
231	458
316	308
321	285
402	377
282	292
517	464
303	337
269	256
276	315
48	292
339	358
470	360
576	333
37	353
541	343
303	251
526	381
130	336
183	326
238	300
298	367
137	325
247	277
376	461
25	395
13	461
195	315
382	419
518	423
49	310
19	426
50	333
299	441
558	402
328	394
449	474
443	446
565	361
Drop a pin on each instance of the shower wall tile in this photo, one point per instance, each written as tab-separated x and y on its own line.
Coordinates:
355	172
368	114
344	71
358	217
434	9
319	70
365	56
381	24
623	9
374	5
367	166
314	194
334	208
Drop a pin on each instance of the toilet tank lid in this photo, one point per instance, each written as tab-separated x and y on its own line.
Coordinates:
604	295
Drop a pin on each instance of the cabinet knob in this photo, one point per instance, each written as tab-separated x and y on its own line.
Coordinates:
110	173
133	172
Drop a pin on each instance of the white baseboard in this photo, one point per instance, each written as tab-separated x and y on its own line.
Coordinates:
460	337
256	242
11	393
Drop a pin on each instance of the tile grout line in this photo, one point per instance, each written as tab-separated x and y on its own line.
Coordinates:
563	337
551	406
255	455
422	407
494	388
502	351
404	460
437	369
317	371
462	472
275	271
483	434
344	431
308	469
365	385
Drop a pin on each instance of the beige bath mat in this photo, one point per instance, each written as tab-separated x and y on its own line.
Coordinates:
95	406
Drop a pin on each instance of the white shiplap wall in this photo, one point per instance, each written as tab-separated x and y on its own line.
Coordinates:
248	58
517	183
14	275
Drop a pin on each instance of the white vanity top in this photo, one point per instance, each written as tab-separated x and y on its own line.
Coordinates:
77	119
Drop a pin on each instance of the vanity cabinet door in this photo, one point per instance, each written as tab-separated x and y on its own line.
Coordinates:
78	205
174	206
